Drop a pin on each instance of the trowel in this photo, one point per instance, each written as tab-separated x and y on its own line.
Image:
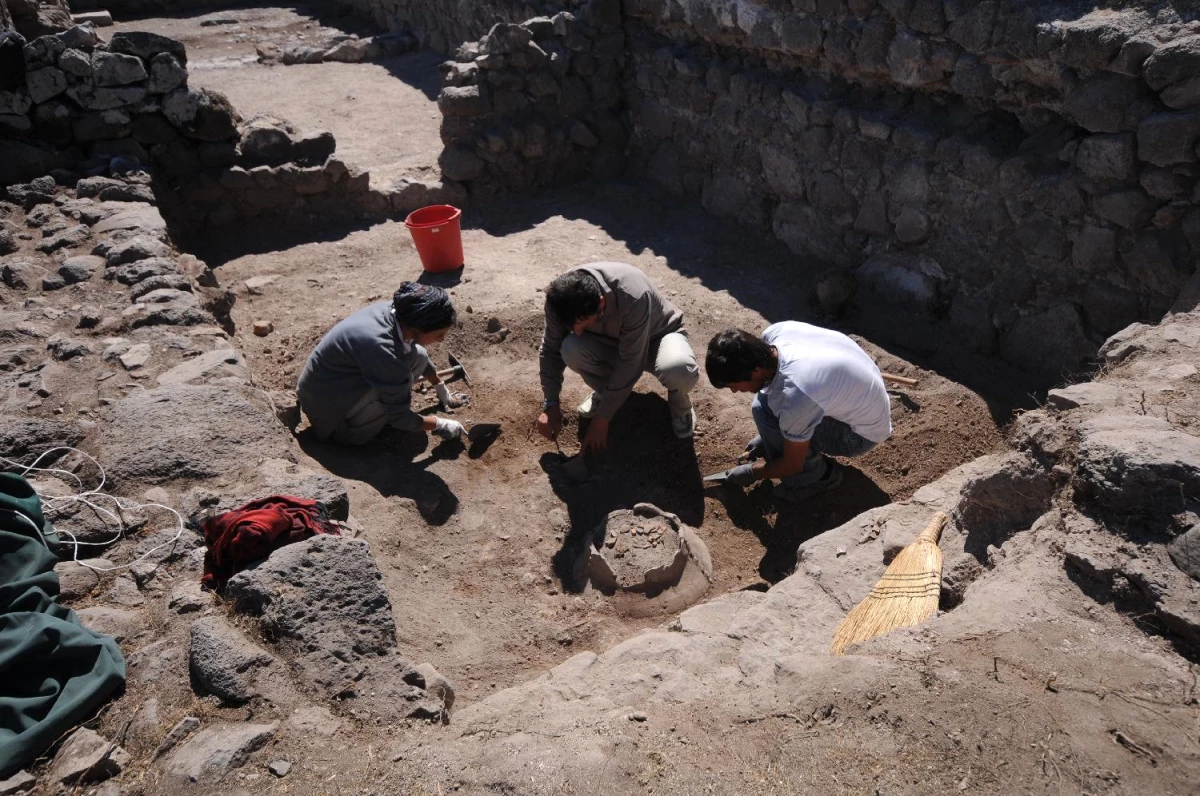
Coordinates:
719	478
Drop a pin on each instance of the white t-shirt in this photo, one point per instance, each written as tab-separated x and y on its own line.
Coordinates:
823	373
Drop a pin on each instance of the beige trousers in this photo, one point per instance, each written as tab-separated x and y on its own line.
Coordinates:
670	359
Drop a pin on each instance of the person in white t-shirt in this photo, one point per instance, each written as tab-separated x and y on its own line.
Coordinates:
817	393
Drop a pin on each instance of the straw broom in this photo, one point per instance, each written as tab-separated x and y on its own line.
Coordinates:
906	595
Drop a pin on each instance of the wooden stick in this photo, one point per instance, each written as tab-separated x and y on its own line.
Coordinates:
899	379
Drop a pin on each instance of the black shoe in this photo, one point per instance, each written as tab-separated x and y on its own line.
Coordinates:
795	494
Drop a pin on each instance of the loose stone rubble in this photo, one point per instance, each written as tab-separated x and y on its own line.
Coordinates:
116	387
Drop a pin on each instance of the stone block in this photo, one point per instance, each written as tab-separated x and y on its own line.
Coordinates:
224	661
1101	104
15	103
87	757
801	35
909	61
76	63
146	45
1172	62
117	69
906	281
214	751
201	114
264	141
1051	342
95	98
313	149
1129	208
166	74
1167	138
45	83
1157	260
464	101
101	125
1109	157
1094	249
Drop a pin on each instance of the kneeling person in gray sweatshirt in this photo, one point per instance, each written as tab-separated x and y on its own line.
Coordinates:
359	377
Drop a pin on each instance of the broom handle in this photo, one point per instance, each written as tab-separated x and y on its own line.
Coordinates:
933	530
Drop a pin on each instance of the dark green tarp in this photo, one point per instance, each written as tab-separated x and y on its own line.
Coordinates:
54	672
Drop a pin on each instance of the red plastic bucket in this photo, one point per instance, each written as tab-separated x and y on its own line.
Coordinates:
438	236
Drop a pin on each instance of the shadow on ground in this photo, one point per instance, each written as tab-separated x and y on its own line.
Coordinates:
418	69
782	528
389	463
631	471
758	271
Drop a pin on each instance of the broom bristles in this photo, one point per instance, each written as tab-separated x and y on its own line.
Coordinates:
906	595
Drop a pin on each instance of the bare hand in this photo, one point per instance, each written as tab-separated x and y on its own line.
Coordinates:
549	423
596	438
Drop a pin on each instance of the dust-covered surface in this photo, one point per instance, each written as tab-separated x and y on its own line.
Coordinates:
1063	660
634	544
382	113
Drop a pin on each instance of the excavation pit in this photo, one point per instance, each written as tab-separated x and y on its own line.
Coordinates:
649	561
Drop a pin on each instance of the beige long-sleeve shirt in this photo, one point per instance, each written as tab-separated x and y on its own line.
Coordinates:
635	314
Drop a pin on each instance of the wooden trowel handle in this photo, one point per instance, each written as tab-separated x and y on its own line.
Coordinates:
899	379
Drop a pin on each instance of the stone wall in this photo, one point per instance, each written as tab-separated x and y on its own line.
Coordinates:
1025	172
93	109
33	18
442	26
536	104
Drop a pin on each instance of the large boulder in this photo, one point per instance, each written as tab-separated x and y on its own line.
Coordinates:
911	282
226	429
1136	464
201	114
325	596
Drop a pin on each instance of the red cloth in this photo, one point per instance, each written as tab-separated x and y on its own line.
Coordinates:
244	535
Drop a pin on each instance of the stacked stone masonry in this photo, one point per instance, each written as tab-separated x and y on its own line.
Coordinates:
536	104
442	26
1023	173
93	108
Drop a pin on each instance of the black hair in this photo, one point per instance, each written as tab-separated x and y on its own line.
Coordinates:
423	307
733	355
572	296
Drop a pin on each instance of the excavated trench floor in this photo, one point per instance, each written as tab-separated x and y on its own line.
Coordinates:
476	546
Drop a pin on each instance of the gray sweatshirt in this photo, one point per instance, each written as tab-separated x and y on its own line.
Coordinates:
635	314
362	352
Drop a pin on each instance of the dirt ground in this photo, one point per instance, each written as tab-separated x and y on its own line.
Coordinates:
477	548
383	114
491	600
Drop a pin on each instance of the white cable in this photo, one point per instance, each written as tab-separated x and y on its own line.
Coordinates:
53	503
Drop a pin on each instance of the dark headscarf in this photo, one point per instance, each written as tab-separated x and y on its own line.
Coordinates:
423	307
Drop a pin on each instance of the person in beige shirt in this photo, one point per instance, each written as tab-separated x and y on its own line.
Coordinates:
608	323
